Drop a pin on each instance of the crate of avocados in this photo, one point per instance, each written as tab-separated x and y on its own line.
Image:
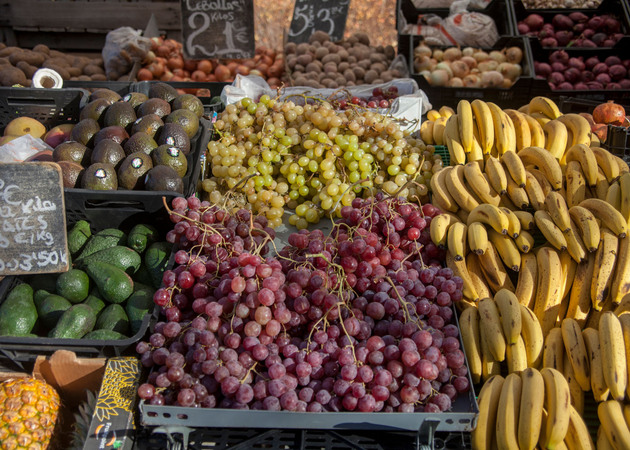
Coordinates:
505	78
208	93
606	26
102	305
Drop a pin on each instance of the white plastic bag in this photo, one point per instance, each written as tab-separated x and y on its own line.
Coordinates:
22	148
471	29
123	47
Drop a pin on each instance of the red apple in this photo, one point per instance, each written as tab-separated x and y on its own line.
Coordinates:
58	134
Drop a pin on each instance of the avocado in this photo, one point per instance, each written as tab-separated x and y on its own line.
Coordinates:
131	171
104	335
135	99
120	114
94	110
51	310
18	313
154	106
156	259
187	119
140	142
40	295
190	102
105	93
141	236
78	236
100	177
138	305
85	131
94	302
74	323
170	156
142	275
108	151
163	178
113	283
71	173
164	91
173	134
74	285
106	238
115	133
72	151
149	124
114	318
122	257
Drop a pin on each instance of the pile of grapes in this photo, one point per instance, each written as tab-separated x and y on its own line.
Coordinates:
380	98
359	320
313	159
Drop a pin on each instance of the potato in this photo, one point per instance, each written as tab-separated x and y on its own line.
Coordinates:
298	68
349	75
291	61
12	75
343	66
362	37
387	76
2	45
33	58
290	48
8	50
370	76
343	54
41	48
390	53
378	67
4	61
59	69
84	78
319	36
99	77
93	69
321	52
359	72
57	54
304	59
364	64
330	67
303	48
74	71
28	69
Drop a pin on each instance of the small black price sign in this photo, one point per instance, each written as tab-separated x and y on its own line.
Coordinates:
32	219
218	28
318	15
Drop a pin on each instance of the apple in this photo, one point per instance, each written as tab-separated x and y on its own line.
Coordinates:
58	134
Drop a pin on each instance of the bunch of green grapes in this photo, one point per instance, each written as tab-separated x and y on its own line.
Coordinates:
312	158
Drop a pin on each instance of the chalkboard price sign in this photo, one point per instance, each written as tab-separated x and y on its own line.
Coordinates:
32	219
218	28
318	15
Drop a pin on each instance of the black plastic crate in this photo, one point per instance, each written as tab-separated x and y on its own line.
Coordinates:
499	10
541	87
51	107
612	7
513	97
209	106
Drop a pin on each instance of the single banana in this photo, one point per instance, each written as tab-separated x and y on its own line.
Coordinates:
610	415
613	196
527	278
547	164
496	175
490	215
587	226
491	329
477	277
580	297
598	383
576	184
540	118
536	131
515	167
601	187
533	339
526	219
576	351
620	287
605	260
557	208
439	228
517	195
439	125
516	356
624	200
578	436
510	314
545	106
489	366
606	162
623	166
452	141
623	307
575	390
477	238
585	156
469	329
550	230
459	269
502	129
611	343
507	249
624	320
426	132
456	240
485	125
439	191
594	315
463	215
493	270
479	184
548	288
575	245
456	186
569	267
556	138
602	441
534	192
508	411
579	126
433	115
521	128
553	351
446	111
524	242
531	410
489	396
514	228
465	124
557	403
544	183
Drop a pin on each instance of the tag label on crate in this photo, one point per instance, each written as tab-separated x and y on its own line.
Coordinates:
33	235
218	28
318	15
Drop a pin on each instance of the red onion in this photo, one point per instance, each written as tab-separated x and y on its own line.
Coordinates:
559	56
579	27
556	78
577	63
600	68
594	85
564	37
592	61
617	72
578	17
588	33
558	67
608	43
562	22
572	75
549	42
595	22
580	86
534	21
523	28
613	86
587	76
603	78
543	70
612	25
626	63
612	60
599	38
565	86
587	43
625	83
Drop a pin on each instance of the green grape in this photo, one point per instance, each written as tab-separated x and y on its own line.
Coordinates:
303	190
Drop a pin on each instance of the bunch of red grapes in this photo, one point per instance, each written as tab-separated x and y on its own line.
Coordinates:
359	320
380	98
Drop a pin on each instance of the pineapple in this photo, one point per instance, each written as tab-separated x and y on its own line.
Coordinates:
28	412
